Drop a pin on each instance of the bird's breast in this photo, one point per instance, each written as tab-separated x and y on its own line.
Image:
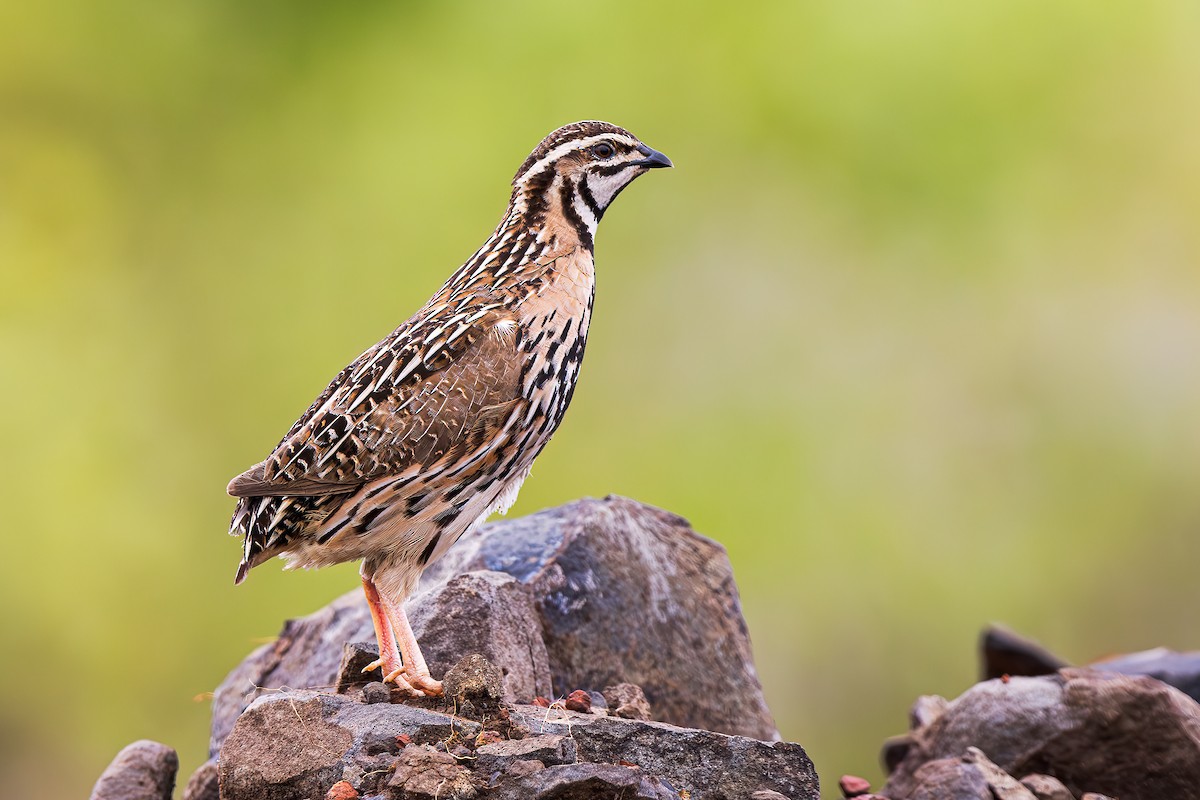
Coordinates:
554	325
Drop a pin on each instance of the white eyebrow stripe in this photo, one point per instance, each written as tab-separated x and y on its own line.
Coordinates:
573	144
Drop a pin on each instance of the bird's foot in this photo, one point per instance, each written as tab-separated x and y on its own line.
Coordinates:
427	684
419	684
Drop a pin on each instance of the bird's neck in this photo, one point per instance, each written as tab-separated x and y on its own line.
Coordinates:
538	237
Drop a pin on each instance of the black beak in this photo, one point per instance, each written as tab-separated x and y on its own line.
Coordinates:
652	159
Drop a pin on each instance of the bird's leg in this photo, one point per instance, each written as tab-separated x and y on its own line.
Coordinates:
389	656
414	670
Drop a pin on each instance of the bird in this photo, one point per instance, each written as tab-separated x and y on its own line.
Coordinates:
434	428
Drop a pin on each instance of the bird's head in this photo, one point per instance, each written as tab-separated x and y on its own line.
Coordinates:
584	165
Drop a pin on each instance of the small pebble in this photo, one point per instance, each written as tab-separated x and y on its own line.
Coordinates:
599	704
342	790
376	692
580	701
853	786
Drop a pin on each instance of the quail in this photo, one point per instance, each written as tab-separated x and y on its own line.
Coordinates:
435	428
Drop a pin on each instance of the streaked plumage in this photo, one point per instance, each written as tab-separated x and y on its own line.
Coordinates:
434	428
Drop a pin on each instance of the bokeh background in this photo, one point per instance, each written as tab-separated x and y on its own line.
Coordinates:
913	328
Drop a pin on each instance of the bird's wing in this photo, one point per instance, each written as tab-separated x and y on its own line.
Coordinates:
432	390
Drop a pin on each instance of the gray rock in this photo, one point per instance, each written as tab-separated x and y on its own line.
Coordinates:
204	783
600	592
712	766
585	782
486	612
1085	727
376	692
1046	787
352	672
629	593
144	770
547	749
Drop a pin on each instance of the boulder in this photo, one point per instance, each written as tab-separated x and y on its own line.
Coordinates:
587	595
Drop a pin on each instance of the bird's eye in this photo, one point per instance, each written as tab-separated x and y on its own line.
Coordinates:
602	151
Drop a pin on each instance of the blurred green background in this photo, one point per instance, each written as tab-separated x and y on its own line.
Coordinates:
913	328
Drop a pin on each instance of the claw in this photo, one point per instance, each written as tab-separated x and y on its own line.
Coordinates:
397	677
427	684
374	665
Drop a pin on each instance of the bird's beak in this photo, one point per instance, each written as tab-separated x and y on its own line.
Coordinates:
652	159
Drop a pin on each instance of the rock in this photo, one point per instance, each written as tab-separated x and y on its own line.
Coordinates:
853	786
1085	727
627	700
1045	787
342	790
1095	796
376	692
708	764
204	784
585	782
580	701
630	593
1007	653
300	743
593	593
489	613
1003	652
971	777
895	749
297	743
473	680
352	674
422	773
144	770
926	711
767	794
1181	670
547	749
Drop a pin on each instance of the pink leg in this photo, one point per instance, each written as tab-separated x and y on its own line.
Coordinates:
389	657
414	670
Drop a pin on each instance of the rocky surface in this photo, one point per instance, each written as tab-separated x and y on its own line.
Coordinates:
620	614
298	743
598	651
586	595
1093	731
